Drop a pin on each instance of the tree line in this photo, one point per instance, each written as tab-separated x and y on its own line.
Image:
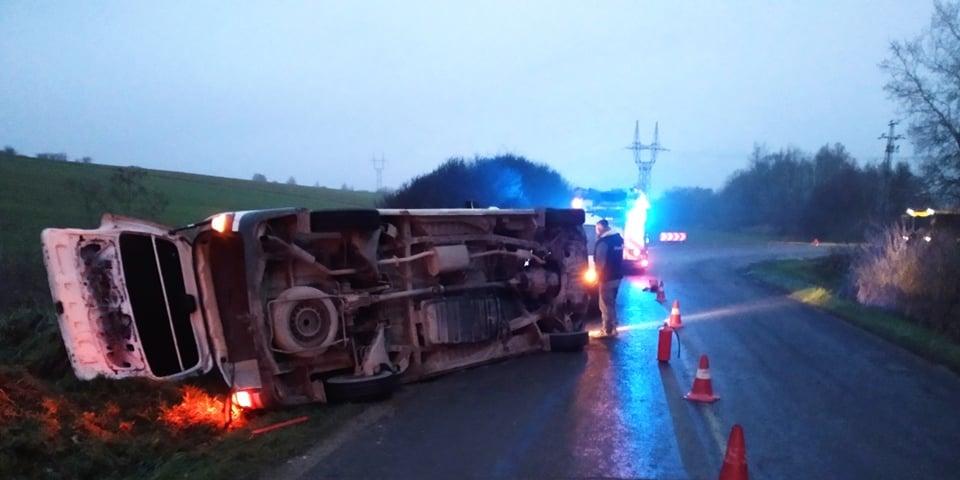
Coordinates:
9	151
790	193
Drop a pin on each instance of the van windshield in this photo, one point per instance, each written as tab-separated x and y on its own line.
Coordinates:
160	303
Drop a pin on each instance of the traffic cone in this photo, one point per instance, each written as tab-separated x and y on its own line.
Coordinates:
702	390
661	295
674	320
735	461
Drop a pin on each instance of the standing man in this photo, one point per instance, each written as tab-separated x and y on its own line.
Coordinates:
608	259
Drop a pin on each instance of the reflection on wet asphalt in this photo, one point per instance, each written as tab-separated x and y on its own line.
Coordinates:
817	398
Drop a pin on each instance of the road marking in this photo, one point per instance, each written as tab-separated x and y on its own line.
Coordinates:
713	423
298	466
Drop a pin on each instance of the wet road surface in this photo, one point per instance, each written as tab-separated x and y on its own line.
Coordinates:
817	397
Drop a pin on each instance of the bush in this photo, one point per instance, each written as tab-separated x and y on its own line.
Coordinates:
30	337
23	280
920	279
505	181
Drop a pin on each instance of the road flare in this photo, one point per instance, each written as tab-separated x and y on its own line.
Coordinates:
702	390
735	461
674	320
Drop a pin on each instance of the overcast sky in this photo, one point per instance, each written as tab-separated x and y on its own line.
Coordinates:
315	89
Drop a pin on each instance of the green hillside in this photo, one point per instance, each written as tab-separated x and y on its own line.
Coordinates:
33	195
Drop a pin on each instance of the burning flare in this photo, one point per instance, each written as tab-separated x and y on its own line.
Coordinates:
199	408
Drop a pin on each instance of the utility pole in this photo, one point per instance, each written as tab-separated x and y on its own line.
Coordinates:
645	167
378	164
891	139
885	188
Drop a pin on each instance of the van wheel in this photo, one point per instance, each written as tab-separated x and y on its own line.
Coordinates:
357	388
568	341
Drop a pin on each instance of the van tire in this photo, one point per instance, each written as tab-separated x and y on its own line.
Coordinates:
354	388
568	341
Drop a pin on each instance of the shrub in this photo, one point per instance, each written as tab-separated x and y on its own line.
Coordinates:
920	279
30	337
505	181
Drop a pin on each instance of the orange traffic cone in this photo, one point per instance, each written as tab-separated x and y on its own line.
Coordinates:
661	295
702	390
674	320
735	461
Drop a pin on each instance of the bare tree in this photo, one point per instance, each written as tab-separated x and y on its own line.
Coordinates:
291	181
925	81
126	192
259	177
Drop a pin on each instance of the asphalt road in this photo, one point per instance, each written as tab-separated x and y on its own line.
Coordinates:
817	398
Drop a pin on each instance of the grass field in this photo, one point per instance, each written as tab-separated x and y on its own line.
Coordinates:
54	426
33	195
818	281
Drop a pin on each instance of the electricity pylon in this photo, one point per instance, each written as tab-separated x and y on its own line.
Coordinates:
378	165
645	167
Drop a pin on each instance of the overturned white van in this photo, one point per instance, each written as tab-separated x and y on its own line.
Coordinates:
298	306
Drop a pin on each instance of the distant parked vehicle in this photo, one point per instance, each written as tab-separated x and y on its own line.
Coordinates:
928	224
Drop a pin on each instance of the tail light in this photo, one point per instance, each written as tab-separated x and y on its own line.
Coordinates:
247	399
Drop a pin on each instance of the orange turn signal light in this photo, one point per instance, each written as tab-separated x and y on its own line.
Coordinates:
590	276
222	222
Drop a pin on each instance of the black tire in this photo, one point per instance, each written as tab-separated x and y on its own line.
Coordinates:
352	388
568	341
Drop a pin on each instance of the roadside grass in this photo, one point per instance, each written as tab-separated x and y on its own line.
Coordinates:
55	426
239	455
117	429
819	281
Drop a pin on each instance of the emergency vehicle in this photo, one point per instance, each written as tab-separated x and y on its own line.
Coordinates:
626	210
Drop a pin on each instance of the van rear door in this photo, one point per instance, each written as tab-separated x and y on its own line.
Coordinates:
127	300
